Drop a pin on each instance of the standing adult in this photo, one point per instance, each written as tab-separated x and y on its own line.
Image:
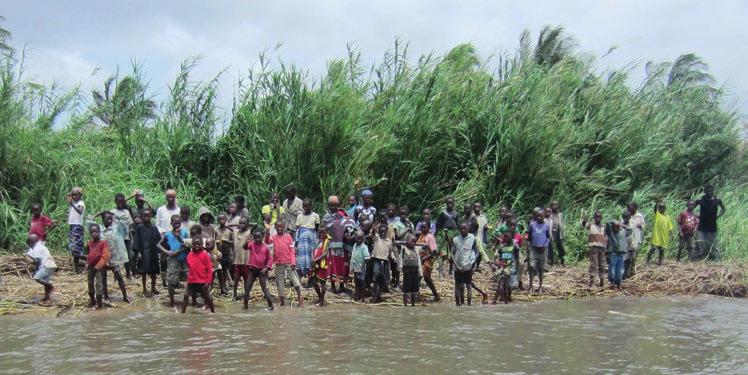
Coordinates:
165	212
293	208
335	221
711	208
367	211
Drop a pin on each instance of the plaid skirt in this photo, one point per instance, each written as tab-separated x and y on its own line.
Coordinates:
75	240
306	242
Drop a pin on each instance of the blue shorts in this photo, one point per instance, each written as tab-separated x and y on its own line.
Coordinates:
44	274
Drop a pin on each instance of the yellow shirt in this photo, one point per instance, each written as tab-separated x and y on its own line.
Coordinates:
661	230
274	213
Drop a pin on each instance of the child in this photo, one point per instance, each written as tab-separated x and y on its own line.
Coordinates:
233	216
446	224
240	205
507	258
660	232
114	235
293	206
205	220
539	236
319	266
426	218
307	224
40	224
184	214
284	259
147	238
215	262
464	257
596	242
687	224
557	230
617	241
367	210
200	273
272	211
411	263
549	256
241	254
76	207
638	225
225	244
173	246
96	263
260	263
123	222
359	257
45	264
380	255
482	221
428	251
403	228
165	212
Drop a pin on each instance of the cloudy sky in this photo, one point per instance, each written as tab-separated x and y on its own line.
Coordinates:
83	42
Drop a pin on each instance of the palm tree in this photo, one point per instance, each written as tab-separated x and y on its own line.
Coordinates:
4	39
689	70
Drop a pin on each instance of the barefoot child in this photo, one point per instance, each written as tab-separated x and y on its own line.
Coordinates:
411	263
617	242
215	262
96	263
464	256
200	273
147	239
319	266
76	208
241	253
123	222
539	236
380	255
260	264
687	224
284	260
225	244
359	257
173	246
40	224
660	232
45	265
596	242
307	224
428	252
114	235
446	225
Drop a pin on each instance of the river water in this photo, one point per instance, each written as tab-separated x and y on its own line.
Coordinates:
622	335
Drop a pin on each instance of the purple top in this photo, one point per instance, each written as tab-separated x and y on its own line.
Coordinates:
539	234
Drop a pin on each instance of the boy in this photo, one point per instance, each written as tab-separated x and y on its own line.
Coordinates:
711	208
428	251
557	230
638	225
241	254
596	243
403	228
215	262
482	221
260	264
114	235
293	207
184	214
318	274
617	241
200	273
272	211
426	218
173	246
660	232
232	219
359	257
284	259
464	257
225	244
411	263
380	255
446	224
45	264
539	236
240	206
507	258
96	263
147	239
123	222
40	224
687	224
76	207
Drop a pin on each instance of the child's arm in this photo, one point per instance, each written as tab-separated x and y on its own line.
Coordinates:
161	246
104	259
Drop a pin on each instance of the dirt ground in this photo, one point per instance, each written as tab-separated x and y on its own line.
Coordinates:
20	294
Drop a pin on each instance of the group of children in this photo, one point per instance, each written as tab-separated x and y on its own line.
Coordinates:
380	250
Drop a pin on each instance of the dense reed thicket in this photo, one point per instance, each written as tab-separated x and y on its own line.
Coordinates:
525	128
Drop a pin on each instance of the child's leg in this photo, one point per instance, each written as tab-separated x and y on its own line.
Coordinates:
208	299
280	282
236	281
432	287
154	291
315	285
650	253
90	276
248	287
265	291
405	299
186	298
142	278
121	281
105	284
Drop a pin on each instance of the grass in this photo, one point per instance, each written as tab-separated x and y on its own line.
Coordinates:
542	125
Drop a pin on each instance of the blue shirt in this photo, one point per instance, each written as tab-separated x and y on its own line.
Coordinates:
175	245
539	234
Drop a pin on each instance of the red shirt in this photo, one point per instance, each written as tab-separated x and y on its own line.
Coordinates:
200	267
283	251
259	255
687	222
39	226
98	254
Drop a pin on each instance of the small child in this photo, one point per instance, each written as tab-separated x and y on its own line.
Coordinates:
464	258
260	264
225	244
307	224
426	218
411	263
123	222
184	214
215	261
380	255
45	264
507	258
446	224
173	246
428	252
359	256
146	242
272	211
76	208
199	276
233	216
284	259
241	254
96	263
687	224
617	241
114	234
539	236
596	242
318	273
40	224
660	232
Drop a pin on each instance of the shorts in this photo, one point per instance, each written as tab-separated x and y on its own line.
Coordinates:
411	279
44	274
195	288
463	277
241	270
537	258
175	271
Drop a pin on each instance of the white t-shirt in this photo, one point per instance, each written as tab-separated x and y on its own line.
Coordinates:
40	251
73	216
163	218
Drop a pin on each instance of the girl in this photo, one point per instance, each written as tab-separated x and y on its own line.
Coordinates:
359	256
147	238
307	225
114	234
411	263
225	244
260	264
428	251
96	263
318	274
173	246
199	276
76	207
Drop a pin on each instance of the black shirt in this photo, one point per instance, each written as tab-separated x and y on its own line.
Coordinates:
708	213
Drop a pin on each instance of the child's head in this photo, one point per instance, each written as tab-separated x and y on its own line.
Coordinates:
366	226
257	236
632	207
615	226
410	241
598	217
709	190
119	201
139	197
425	227
477	208
36	209
404	212
206	218
171	197
210	243
239	202
391	209
243	223
107	218
537	214
426	214
184	212
382	217
322	233
222	219
231	209
32	239
290	192
196	231
554	206
147	216
661	207
279	226
197	243
690	205
467	209
382	231
306	205
95	231
359	237
626	216
503	212
76	193
176	223
352	201
274	198
464	229
450	203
